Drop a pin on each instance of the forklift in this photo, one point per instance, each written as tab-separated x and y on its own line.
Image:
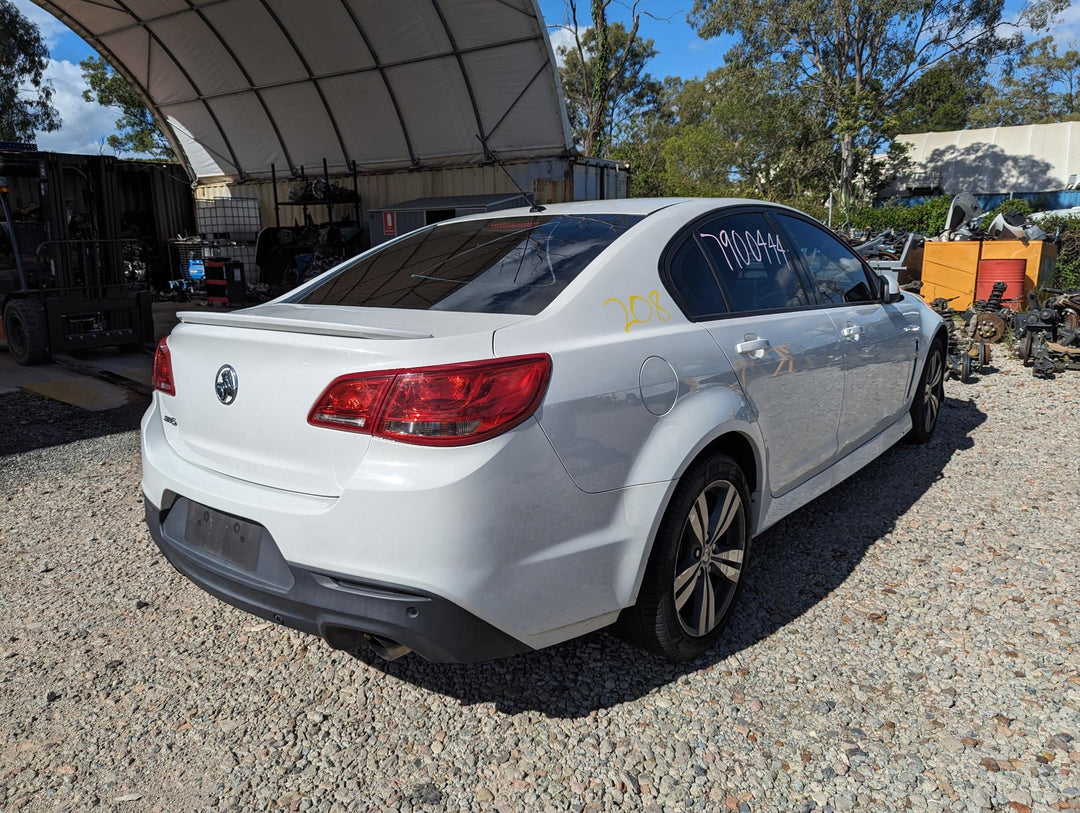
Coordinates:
79	239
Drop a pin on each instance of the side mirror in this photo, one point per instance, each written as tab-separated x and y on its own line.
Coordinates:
890	288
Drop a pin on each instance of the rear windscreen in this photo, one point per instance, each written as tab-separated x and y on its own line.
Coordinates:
509	265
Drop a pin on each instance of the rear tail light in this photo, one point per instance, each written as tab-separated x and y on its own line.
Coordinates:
162	377
450	405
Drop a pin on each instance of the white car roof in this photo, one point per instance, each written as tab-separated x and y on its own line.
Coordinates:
629	206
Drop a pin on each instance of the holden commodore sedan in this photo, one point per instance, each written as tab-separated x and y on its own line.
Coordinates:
504	431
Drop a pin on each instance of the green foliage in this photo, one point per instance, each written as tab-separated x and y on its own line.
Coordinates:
25	94
1008	206
1067	269
605	83
854	61
136	130
926	218
941	98
1042	87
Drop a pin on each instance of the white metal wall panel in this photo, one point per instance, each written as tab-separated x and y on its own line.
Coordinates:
1034	158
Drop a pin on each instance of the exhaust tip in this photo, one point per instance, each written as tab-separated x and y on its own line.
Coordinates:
385	648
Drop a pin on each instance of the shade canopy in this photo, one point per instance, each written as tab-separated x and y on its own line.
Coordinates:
240	85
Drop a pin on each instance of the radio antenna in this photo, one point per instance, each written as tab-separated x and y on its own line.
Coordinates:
491	156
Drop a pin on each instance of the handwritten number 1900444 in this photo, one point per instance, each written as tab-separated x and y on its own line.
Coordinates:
639	310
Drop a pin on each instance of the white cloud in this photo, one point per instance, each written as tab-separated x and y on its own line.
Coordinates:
50	27
561	37
1065	29
86	124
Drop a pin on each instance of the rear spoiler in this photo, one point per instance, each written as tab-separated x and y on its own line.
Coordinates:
284	325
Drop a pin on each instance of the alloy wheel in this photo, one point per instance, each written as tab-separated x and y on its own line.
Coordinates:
710	558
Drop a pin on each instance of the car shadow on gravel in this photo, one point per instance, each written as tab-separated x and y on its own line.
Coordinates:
32	422
796	564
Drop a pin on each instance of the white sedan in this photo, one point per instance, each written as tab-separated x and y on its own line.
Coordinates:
504	431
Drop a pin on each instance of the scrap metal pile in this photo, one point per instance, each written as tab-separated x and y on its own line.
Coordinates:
1047	336
1043	326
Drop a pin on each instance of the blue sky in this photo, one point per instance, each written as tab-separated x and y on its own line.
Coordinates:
681	53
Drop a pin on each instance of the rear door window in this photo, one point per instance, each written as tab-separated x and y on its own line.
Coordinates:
754	262
514	265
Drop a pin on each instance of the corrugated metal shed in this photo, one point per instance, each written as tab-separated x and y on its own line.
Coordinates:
239	85
1035	158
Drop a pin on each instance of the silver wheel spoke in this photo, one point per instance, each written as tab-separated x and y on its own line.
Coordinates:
728	569
707	616
725	514
686	584
699	518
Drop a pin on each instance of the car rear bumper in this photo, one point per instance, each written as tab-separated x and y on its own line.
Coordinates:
343	610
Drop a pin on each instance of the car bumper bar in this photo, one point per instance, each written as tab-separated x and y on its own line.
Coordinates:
345	611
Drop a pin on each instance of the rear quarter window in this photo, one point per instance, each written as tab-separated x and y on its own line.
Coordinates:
514	265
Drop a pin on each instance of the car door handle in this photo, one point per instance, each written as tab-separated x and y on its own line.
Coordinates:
851	331
752	346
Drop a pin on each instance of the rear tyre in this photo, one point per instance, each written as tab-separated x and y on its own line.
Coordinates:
930	394
27	335
695	571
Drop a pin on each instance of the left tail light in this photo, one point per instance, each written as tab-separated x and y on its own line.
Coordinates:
162	378
449	405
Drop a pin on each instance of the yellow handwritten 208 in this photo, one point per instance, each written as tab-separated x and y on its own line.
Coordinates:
640	310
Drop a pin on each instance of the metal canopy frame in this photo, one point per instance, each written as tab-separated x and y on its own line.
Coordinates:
198	55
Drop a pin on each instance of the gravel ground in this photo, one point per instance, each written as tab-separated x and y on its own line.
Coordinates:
905	642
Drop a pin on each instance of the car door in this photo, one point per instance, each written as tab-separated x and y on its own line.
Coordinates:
785	351
879	341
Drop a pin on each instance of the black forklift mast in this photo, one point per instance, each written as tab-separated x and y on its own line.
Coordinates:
70	289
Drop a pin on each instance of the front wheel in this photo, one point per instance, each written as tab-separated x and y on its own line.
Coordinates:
929	396
695	571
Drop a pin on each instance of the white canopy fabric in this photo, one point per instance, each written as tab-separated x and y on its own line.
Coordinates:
240	85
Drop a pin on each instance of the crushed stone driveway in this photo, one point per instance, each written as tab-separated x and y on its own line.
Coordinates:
908	641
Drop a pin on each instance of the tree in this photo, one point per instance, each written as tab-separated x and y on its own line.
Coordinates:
1042	87
25	94
742	131
941	99
137	131
854	59
604	78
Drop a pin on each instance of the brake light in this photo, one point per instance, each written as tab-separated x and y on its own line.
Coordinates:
162	377
448	405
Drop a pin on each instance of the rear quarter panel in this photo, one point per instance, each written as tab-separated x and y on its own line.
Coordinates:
599	333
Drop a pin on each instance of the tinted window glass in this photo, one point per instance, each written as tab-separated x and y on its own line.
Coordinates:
693	281
507	265
838	274
754	263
